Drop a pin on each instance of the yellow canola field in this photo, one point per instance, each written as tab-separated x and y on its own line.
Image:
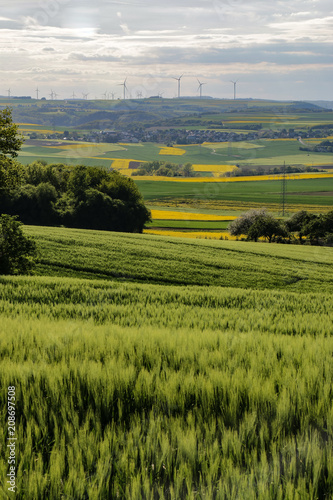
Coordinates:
249	178
126	171
120	164
214	168
170	215
172	151
191	234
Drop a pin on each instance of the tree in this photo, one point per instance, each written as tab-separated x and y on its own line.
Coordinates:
257	224
319	227
11	172
10	140
242	224
298	221
188	170
265	226
105	200
17	252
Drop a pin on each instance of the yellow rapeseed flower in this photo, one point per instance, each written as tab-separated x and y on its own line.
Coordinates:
172	151
214	168
191	234
173	215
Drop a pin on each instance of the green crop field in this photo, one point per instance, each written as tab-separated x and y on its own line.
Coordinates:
299	191
143	258
149	368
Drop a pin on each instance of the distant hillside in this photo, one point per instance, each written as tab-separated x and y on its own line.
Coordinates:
120	114
323	104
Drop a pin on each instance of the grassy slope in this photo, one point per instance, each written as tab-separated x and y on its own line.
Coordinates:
183	368
144	258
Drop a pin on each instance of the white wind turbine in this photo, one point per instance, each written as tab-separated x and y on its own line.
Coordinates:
178	79
200	87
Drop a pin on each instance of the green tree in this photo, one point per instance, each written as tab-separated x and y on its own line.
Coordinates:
11	171
242	224
265	226
104	200
188	170
17	252
10	139
297	223
257	224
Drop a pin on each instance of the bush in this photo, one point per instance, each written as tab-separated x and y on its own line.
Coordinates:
17	252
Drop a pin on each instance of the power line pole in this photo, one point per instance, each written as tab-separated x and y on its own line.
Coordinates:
284	191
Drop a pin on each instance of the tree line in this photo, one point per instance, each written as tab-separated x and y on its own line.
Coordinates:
301	227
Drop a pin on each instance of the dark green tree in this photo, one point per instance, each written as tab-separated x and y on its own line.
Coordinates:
10	139
265	226
11	172
17	252
297	223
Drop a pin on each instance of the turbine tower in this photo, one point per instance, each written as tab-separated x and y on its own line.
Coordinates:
235	83
8	93
37	91
125	87
174	78
200	87
52	95
73	95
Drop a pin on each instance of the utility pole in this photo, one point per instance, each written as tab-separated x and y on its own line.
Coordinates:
284	191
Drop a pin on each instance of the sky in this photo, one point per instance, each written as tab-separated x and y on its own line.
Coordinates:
278	49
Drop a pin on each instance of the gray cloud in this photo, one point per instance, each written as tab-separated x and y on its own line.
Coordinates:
140	39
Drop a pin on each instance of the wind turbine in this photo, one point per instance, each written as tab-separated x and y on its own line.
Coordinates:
73	95
174	78
200	87
85	96
106	95
56	95
37	91
8	93
125	87
234	87
52	95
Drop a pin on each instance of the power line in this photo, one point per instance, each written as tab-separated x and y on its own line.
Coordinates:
283	191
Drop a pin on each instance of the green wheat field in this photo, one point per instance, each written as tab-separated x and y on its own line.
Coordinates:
149	368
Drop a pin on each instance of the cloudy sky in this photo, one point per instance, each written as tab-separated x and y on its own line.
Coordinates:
279	49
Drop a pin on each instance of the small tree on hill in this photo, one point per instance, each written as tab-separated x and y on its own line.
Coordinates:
257	224
265	226
297	223
242	224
